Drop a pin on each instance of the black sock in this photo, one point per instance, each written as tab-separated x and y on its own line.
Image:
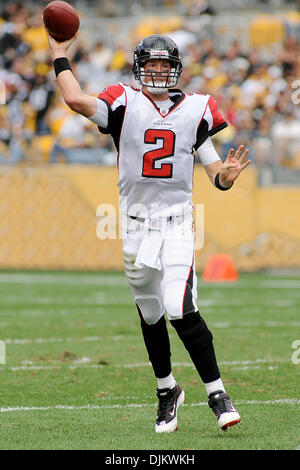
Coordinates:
197	339
157	343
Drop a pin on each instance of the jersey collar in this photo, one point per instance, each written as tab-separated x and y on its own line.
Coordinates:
175	95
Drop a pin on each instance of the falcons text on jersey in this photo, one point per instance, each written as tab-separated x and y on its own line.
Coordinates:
155	158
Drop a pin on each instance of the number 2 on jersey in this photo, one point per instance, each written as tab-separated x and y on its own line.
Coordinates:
167	150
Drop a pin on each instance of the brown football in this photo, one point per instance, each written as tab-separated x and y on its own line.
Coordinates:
61	20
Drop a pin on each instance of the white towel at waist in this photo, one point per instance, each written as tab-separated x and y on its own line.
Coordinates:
150	247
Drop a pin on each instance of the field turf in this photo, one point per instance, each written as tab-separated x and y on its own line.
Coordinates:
77	374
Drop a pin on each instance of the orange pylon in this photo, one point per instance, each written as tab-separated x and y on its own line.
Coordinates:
220	267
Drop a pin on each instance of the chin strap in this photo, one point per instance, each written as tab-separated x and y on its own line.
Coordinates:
156	90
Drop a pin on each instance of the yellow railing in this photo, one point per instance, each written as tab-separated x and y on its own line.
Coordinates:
48	220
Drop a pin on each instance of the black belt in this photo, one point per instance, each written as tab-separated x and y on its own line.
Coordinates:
140	219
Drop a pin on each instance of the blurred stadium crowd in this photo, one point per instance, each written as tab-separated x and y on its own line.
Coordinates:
254	90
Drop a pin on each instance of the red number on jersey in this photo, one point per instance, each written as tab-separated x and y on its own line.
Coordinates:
167	150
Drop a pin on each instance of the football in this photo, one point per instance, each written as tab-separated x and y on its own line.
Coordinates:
61	20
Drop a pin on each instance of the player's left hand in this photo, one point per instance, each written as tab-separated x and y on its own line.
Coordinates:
233	165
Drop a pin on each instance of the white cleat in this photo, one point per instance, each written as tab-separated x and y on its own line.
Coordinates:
169	402
224	410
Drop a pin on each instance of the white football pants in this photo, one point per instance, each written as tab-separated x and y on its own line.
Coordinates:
160	266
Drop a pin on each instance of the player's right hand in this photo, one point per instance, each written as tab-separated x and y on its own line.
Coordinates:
59	48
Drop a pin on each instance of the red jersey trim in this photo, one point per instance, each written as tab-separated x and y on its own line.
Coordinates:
118	157
189	280
112	93
216	115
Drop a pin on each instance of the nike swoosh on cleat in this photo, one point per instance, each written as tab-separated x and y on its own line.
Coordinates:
172	413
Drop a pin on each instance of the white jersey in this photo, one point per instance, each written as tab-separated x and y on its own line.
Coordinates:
155	146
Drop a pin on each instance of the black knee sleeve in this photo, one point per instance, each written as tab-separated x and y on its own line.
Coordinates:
193	331
197	339
156	338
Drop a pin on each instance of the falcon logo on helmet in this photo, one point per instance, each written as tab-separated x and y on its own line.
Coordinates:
152	47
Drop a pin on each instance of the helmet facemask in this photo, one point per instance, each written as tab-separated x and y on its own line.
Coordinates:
157	47
159	81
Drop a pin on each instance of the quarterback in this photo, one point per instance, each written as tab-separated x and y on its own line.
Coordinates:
156	128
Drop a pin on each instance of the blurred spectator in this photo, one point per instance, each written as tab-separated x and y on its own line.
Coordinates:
201	7
285	134
40	99
101	56
252	88
73	133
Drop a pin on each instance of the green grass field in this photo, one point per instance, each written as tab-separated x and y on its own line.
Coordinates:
77	375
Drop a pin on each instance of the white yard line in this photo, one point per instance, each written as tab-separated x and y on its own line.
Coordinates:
100	279
282	401
280	283
91	300
76	279
86	309
59	340
102	296
222	325
84	363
